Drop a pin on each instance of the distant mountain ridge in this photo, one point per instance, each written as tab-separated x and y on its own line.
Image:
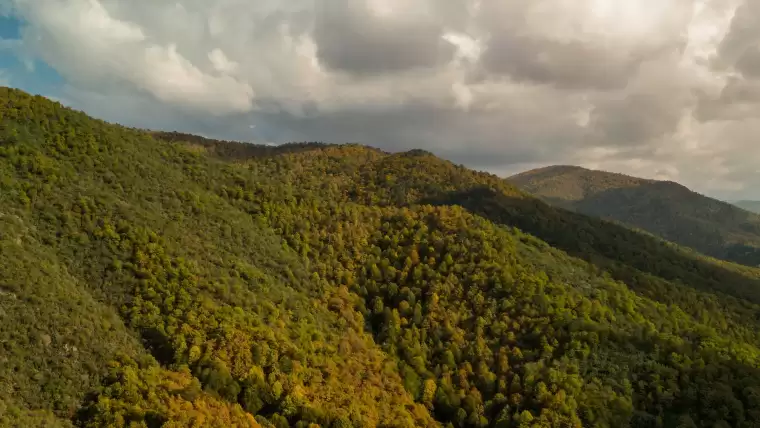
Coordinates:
664	208
753	206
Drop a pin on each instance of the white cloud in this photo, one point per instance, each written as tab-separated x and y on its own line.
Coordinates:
221	63
659	88
92	48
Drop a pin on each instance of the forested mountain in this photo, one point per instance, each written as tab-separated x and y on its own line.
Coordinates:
753	206
153	279
664	208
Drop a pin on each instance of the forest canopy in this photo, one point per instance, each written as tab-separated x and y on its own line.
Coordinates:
152	279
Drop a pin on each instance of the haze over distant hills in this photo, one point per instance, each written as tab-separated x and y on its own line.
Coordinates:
664	208
753	206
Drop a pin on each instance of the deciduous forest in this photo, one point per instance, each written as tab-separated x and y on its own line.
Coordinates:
152	279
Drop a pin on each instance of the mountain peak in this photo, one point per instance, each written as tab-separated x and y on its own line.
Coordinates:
548	170
572	183
663	207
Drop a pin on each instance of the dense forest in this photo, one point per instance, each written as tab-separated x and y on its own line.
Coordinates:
663	208
159	279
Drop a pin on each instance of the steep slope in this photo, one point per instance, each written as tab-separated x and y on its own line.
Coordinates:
53	332
753	206
343	286
494	327
663	208
105	221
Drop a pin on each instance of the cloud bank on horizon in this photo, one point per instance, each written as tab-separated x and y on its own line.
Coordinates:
664	89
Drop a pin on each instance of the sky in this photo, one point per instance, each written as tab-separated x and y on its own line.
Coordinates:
664	89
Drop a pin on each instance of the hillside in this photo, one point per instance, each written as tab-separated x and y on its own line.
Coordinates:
156	279
663	208
753	206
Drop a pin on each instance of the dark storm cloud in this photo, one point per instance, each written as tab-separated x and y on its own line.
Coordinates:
749	62
350	38
566	64
739	48
738	100
636	119
484	140
738	56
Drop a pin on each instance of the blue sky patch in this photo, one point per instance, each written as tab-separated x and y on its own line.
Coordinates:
42	79
10	27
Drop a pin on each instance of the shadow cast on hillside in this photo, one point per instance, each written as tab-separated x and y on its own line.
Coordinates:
622	252
679	215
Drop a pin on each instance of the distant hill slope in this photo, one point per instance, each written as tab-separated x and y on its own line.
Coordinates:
159	279
753	206
664	208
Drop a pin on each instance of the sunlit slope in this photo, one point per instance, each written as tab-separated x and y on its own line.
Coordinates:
208	289
494	326
343	286
664	208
